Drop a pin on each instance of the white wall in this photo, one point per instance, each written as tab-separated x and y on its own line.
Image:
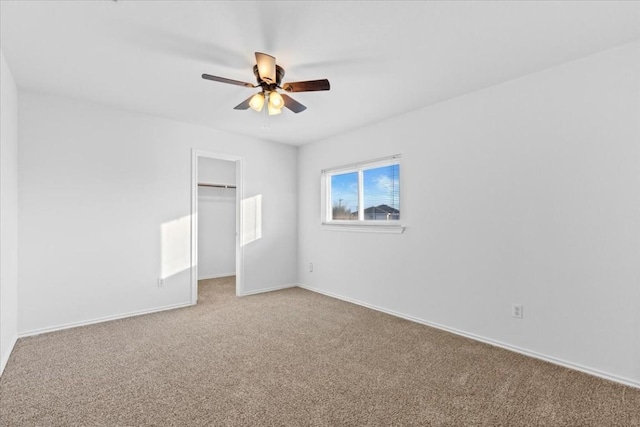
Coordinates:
105	203
216	171
8	212
216	219
527	192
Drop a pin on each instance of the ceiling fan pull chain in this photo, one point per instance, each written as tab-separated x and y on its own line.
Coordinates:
266	125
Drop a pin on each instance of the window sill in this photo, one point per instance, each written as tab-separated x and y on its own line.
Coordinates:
364	228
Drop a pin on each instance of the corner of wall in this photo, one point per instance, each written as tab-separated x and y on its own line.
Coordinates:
8	212
7	353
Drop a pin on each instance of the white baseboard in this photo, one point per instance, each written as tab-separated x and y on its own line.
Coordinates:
217	276
99	320
135	313
261	291
536	355
5	358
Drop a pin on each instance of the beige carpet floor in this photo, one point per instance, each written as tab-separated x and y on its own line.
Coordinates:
291	358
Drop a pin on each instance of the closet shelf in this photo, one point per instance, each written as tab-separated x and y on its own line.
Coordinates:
206	184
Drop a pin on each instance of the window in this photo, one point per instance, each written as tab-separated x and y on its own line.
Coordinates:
363	194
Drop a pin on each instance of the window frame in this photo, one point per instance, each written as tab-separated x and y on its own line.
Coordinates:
361	224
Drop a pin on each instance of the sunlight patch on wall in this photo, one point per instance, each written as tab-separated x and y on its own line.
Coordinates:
251	219
175	246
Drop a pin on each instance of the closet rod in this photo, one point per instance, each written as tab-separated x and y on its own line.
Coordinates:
202	184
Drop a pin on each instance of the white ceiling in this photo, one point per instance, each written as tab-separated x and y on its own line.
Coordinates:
382	58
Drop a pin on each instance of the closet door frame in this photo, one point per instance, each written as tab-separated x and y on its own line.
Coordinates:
195	155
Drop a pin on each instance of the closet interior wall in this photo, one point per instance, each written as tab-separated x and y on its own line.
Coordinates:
216	218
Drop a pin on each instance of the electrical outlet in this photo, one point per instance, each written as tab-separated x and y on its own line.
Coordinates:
310	267
516	311
160	282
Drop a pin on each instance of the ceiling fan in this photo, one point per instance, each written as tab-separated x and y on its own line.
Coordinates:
269	76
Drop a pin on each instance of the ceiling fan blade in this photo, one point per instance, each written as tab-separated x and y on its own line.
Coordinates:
223	80
292	104
266	67
244	105
307	86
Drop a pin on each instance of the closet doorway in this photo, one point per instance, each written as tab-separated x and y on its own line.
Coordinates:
216	194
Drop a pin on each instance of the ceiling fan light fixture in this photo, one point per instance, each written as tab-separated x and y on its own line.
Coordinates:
275	100
257	101
273	111
266	67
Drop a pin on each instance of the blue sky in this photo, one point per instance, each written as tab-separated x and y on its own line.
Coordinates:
381	186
